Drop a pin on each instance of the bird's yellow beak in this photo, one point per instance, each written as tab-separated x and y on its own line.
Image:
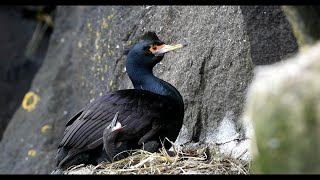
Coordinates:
166	48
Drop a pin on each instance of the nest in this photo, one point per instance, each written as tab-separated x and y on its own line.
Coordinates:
193	158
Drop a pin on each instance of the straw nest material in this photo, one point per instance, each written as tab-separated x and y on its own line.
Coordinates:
192	158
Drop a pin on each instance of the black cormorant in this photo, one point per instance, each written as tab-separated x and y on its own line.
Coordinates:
148	113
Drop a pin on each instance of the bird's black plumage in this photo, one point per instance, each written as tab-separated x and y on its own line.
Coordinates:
113	148
150	112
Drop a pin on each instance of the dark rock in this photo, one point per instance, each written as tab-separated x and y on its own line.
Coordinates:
17	68
270	34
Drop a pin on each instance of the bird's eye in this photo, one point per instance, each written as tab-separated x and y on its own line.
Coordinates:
154	48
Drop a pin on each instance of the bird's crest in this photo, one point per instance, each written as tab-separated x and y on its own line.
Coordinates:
150	35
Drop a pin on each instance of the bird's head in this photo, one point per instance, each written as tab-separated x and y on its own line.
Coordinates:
150	51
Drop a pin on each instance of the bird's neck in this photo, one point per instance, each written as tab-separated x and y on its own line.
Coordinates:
142	78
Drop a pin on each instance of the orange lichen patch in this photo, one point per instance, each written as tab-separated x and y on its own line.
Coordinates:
30	101
156	47
32	152
45	128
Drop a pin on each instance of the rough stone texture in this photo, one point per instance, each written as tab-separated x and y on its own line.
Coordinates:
16	68
284	105
270	34
24	147
305	24
85	61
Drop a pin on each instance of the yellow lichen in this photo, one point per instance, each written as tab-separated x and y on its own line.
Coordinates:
30	101
45	128
32	152
98	34
105	68
110	16
98	57
104	24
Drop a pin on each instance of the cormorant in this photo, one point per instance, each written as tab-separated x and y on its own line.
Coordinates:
148	113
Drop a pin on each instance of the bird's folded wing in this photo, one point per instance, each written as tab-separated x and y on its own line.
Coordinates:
142	106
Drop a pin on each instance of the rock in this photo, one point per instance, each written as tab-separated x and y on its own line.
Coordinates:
284	105
17	68
270	34
85	61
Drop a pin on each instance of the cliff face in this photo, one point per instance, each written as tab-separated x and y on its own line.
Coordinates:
19	58
85	61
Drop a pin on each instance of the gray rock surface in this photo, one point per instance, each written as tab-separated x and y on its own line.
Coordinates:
85	61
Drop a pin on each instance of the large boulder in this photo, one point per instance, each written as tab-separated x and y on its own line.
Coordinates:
85	60
284	105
